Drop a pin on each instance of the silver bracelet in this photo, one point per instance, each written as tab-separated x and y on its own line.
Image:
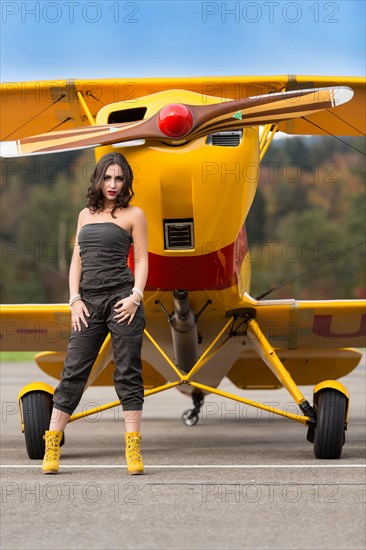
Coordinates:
136	303
74	298
138	292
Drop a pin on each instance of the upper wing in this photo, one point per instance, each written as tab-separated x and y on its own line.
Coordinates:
30	108
346	120
199	120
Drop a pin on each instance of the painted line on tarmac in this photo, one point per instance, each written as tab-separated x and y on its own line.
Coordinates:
192	466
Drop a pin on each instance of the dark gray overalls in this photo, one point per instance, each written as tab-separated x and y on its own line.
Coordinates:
105	279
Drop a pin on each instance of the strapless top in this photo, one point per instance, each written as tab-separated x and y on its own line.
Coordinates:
104	249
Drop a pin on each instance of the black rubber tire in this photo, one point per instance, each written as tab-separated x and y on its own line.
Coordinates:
189	417
330	427
37	410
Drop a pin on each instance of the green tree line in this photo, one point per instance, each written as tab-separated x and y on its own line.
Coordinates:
310	203
41	197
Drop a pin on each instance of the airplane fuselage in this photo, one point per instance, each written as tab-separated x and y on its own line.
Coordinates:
196	197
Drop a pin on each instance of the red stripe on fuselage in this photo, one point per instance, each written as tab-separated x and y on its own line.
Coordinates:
218	269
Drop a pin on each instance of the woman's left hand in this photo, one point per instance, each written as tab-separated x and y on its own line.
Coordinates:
125	309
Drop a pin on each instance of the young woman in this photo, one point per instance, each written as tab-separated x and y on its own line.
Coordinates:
105	297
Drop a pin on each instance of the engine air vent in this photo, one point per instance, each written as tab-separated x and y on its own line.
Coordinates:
225	139
178	234
127	115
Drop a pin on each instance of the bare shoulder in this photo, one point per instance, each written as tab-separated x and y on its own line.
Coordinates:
82	214
137	214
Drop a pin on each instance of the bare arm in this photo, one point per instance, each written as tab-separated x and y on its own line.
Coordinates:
140	252
75	266
127	307
78	308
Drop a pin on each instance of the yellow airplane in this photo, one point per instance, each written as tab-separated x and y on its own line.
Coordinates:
197	144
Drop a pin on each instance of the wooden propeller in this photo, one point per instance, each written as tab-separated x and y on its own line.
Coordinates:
180	123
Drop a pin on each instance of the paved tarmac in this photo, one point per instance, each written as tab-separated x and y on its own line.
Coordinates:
240	478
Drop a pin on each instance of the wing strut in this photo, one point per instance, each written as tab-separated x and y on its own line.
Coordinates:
266	138
86	109
265	351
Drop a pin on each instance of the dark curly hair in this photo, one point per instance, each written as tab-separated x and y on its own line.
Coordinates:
95	195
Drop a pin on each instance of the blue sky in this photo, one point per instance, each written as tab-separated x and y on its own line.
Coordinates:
109	38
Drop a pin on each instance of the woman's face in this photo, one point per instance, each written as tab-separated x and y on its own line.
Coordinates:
113	182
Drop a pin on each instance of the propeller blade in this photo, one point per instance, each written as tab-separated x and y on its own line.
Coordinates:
178	123
283	106
67	140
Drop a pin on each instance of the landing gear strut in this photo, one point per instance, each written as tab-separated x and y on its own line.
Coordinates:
190	416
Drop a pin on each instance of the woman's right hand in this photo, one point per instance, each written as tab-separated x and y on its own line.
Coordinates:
78	313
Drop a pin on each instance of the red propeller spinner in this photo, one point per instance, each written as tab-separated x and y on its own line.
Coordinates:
175	120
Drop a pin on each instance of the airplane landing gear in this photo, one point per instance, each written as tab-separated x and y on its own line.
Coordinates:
190	416
37	408
329	434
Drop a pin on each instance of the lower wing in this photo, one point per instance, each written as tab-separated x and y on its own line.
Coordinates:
287	324
310	338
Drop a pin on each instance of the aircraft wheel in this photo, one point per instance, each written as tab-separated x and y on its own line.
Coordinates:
330	429
189	417
37	410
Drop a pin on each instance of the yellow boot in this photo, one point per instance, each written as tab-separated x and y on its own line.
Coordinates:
52	455
135	464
